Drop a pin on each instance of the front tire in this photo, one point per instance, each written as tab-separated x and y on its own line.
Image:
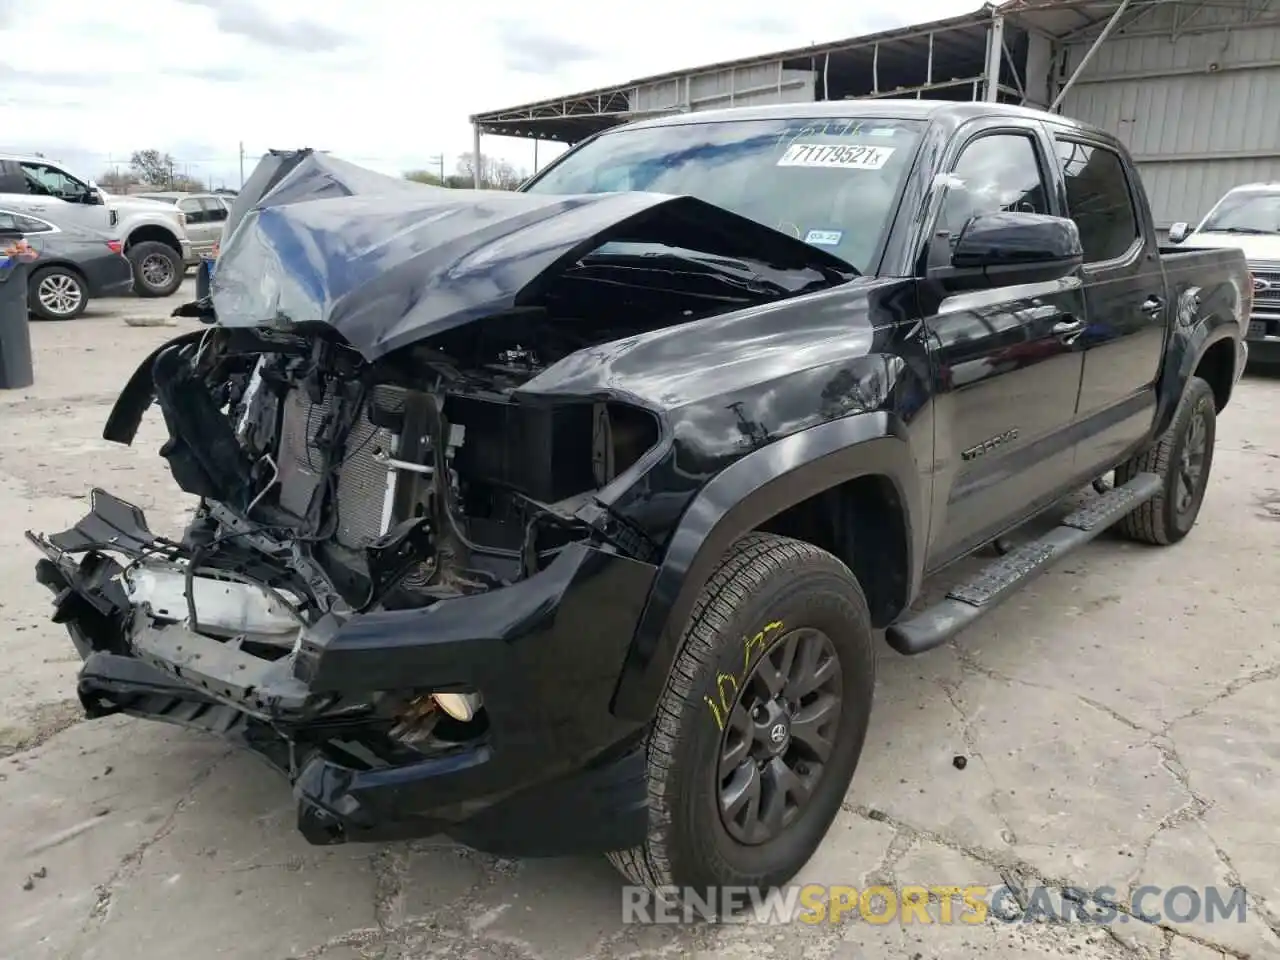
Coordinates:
157	268
1182	459
761	724
57	293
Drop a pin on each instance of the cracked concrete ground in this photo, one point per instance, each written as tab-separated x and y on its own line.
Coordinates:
1117	718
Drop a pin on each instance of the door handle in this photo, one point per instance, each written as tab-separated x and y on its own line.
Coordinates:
1152	304
1069	327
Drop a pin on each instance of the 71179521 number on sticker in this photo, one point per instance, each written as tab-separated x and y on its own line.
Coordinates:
835	155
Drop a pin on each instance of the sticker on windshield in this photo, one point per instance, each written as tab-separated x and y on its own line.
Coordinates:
824	238
835	155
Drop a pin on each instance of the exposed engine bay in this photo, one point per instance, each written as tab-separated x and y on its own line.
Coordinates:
362	487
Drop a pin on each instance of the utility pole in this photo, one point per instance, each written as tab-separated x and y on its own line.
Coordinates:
437	160
241	164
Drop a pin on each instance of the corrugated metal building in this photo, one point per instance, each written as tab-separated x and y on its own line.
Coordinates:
1192	87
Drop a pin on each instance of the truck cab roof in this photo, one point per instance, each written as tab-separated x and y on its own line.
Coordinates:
950	113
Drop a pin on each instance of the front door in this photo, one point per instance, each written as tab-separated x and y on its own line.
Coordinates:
1124	291
1007	373
53	194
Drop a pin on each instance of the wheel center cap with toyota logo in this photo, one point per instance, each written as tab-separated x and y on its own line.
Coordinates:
779	735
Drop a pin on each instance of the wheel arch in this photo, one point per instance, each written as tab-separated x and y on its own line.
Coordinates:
807	485
152	232
1203	345
44	263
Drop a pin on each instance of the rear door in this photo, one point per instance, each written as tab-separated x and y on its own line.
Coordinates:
1007	374
1125	297
197	223
216	213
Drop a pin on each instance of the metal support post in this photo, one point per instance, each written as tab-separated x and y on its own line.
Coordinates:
995	58
1084	61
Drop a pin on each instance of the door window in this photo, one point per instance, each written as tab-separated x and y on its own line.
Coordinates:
1098	200
190	206
994	173
214	209
48	181
12	179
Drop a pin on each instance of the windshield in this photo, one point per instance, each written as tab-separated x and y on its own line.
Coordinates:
831	183
1245	211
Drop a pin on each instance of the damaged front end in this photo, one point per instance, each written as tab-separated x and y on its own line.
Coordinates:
395	572
403	583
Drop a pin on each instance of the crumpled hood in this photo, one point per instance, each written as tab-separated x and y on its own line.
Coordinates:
386	262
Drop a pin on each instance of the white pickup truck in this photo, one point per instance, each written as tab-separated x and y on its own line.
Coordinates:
154	234
1248	218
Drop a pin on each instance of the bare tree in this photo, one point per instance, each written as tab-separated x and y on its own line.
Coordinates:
495	174
118	181
152	167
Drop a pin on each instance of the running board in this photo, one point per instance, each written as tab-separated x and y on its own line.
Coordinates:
968	602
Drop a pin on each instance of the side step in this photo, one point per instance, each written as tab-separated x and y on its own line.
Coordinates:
968	602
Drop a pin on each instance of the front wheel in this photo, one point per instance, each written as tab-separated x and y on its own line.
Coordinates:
157	268
761	724
1181	458
57	293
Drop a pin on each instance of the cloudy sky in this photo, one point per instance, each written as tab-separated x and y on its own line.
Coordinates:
386	83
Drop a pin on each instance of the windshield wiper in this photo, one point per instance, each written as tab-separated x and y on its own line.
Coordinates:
1251	231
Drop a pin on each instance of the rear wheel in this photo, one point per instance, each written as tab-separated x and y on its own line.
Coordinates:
1182	459
57	293
157	268
761	724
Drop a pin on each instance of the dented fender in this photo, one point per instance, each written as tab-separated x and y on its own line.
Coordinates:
741	498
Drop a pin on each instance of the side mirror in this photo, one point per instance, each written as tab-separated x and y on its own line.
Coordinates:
93	197
1002	249
1179	232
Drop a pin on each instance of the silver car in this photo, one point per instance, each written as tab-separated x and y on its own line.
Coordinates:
205	213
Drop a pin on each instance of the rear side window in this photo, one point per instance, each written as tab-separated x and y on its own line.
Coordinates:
16	221
213	209
1098	200
995	173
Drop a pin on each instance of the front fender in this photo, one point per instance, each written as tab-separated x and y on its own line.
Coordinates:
740	499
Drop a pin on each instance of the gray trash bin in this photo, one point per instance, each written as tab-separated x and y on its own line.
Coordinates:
16	371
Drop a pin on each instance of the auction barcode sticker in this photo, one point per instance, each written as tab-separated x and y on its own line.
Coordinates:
835	155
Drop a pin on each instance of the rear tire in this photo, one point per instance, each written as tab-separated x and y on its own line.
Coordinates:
57	293
158	269
1182	459
774	602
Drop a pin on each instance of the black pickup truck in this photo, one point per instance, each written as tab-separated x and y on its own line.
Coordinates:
568	519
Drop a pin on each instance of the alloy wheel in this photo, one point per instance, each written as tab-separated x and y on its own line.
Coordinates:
156	270
59	294
778	736
1191	462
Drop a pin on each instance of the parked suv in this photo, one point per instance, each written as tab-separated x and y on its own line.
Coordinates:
205	214
154	234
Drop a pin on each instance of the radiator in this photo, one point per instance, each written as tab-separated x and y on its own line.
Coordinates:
362	480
